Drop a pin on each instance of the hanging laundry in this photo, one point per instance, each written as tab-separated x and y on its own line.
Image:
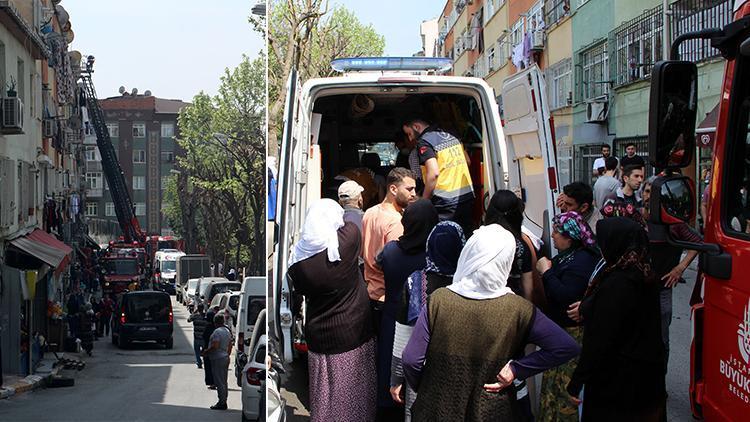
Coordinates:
527	49
517	56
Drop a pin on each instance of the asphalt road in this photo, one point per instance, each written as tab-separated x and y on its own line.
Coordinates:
295	385
143	383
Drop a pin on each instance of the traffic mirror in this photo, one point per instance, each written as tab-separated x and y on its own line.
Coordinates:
672	200
672	113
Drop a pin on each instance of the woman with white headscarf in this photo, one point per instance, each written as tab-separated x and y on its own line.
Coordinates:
339	331
459	358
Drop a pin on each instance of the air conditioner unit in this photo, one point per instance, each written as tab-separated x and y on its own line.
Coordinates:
537	40
48	128
12	115
597	109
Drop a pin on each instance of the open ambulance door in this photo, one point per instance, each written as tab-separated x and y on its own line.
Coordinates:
532	158
285	223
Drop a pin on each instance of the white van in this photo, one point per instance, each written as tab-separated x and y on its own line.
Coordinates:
326	132
165	269
252	302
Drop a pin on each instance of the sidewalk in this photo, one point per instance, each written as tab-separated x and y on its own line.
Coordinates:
13	385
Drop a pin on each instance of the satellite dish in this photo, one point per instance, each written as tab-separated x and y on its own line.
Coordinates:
121	90
134	91
147	93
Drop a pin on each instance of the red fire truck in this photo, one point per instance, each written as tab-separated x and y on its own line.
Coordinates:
720	347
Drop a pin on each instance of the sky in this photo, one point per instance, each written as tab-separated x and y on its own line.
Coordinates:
175	48
397	20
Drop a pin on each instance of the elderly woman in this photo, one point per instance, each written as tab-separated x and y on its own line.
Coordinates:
444	246
622	362
459	358
565	280
339	330
399	259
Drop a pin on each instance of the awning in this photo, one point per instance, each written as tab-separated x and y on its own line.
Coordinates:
44	247
706	130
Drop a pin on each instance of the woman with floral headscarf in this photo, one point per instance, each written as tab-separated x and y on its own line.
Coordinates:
622	362
444	245
565	280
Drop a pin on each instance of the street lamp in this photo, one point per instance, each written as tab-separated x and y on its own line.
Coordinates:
259	9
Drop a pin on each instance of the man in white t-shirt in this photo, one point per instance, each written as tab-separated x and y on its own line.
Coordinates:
598	168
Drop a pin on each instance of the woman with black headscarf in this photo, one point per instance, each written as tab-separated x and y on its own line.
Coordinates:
399	259
444	246
622	362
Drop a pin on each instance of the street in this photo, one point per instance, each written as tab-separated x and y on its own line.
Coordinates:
144	382
678	378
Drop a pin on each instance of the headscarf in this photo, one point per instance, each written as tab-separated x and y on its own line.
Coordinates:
485	263
444	245
323	220
572	225
419	219
624	245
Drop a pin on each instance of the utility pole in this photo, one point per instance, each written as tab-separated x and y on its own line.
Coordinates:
665	31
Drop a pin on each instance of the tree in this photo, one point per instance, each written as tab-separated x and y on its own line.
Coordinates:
217	197
301	37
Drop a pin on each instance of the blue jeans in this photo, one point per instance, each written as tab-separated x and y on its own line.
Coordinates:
197	348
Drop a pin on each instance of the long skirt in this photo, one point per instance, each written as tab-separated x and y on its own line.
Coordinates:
555	404
342	386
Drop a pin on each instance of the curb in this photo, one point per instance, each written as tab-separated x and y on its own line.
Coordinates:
30	383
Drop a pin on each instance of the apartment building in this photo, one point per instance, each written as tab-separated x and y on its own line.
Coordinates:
143	129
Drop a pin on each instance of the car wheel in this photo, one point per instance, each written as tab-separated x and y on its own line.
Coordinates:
169	343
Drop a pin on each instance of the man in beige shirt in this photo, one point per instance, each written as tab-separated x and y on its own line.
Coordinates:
381	224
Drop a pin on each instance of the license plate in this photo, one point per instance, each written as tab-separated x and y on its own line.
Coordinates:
147	329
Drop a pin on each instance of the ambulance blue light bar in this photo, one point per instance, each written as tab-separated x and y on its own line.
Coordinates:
377	64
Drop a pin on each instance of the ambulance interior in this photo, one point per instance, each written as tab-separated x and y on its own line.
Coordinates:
357	134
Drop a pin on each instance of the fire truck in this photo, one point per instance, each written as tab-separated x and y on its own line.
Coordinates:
720	344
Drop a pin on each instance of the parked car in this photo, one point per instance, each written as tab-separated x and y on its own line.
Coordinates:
189	292
254	372
143	316
201	291
219	286
227	303
252	300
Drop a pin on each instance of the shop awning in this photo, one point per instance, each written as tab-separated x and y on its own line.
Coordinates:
44	247
706	130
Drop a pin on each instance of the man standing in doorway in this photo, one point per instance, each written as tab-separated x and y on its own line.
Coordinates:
632	177
218	351
380	225
445	171
632	158
599	166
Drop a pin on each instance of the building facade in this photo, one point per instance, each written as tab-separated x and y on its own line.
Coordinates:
143	129
41	171
596	56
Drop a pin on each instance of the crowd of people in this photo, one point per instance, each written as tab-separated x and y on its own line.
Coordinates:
415	314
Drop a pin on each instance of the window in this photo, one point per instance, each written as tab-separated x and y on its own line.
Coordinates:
91	154
637	44
564	164
692	15
516	33
582	2
556	10
164	181
139	130
490	9
503	51
536	17
140	209
167	157
167	129
92	209
491	65
109	209
736	205
559	77
595	71
139	156
114	129
139	182
94	180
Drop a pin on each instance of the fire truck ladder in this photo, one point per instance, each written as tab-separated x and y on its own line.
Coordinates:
131	229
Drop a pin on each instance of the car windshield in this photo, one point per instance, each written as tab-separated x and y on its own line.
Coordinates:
167	244
121	266
192	284
169	266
